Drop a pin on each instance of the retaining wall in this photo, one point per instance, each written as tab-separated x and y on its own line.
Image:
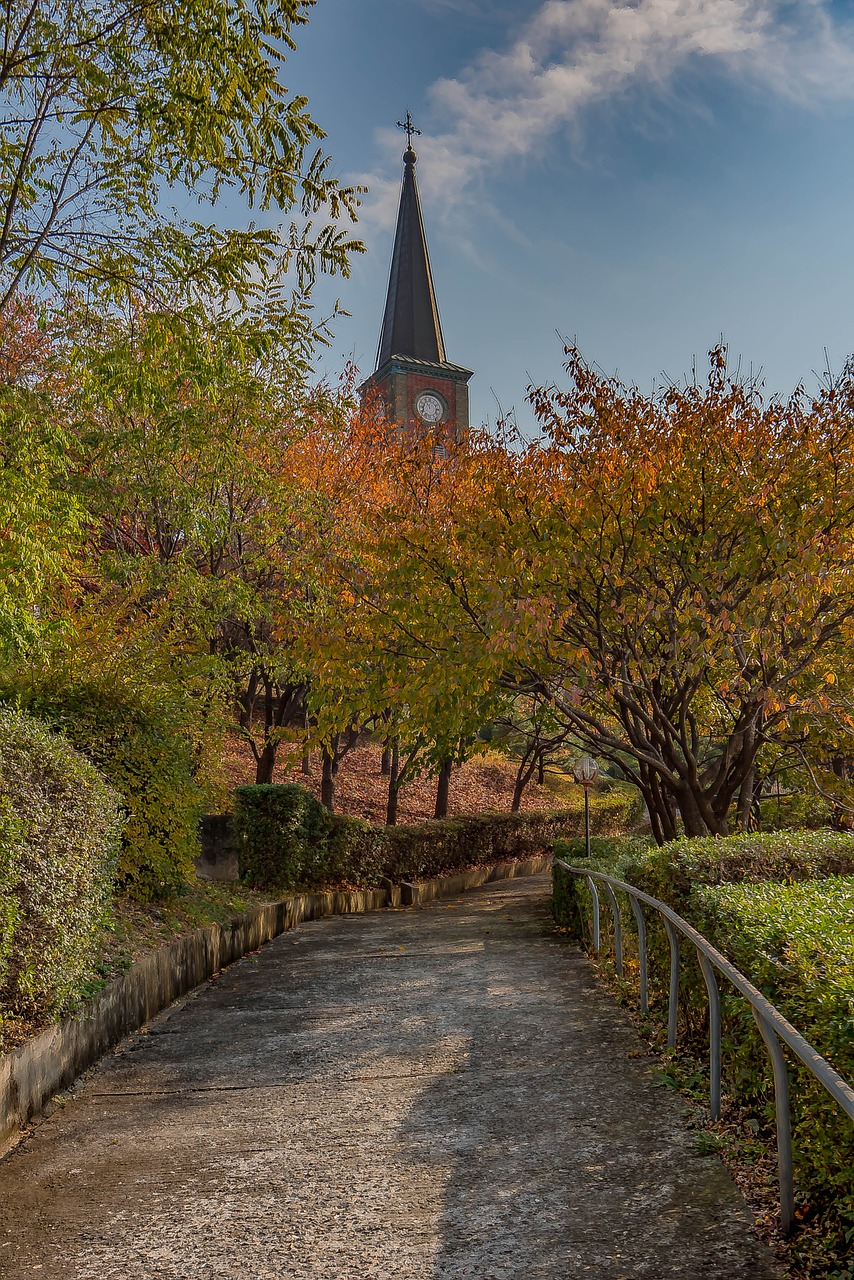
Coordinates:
32	1074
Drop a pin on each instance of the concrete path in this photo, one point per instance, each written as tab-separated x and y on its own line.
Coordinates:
445	1092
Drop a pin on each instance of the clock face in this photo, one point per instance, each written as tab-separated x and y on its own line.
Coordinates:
429	407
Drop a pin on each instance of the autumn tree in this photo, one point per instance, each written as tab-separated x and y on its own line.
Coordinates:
671	573
427	687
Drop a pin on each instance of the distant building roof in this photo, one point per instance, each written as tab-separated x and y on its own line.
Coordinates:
411	322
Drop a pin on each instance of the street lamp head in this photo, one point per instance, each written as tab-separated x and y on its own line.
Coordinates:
586	770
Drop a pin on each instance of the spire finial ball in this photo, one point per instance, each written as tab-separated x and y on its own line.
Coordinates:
409	156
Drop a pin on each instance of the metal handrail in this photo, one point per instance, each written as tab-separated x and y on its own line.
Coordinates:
773	1027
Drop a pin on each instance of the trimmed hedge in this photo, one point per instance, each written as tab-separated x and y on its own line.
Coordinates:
794	940
796	943
286	839
281	833
570	895
671	871
59	832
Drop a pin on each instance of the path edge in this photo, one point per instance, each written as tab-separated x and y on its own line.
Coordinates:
33	1073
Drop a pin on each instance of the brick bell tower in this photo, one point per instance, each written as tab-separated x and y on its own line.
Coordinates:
420	387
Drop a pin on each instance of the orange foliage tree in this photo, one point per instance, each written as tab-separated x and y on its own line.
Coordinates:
671	573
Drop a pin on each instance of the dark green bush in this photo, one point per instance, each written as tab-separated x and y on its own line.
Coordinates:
138	743
670	872
59	832
795	811
282	835
431	848
570	895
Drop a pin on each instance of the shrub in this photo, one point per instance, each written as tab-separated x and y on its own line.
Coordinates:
286	839
139	743
570	895
796	943
793	940
671	871
796	810
59	832
282	834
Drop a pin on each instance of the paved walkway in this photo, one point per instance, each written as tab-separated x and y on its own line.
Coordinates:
443	1092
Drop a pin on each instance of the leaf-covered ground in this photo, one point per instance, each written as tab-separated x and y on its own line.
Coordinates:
479	786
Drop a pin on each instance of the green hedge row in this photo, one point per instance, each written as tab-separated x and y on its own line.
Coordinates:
796	943
59	834
781	907
286	839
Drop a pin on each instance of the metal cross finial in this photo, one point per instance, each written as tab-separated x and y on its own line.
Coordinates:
409	129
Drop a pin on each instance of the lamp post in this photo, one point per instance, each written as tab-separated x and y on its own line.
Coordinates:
586	772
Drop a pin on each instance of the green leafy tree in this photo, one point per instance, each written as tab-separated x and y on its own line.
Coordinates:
109	108
42	522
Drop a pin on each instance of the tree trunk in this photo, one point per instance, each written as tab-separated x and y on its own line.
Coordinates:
394	769
442	788
745	793
266	763
523	777
692	818
306	755
659	803
745	799
385	763
327	779
541	769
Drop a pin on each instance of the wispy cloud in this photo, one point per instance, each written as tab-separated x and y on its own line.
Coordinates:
571	54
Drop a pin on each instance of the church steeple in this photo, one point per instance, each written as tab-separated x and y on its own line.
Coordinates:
419	385
411	324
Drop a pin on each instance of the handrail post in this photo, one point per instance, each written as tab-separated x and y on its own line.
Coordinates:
776	1031
618	933
673	1003
784	1120
639	920
595	896
714	1035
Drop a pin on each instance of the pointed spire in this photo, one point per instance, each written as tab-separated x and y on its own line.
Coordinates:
411	323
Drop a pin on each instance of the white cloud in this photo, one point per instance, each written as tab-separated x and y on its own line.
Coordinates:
573	53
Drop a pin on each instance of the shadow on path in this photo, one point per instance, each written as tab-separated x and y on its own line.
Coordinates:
440	1093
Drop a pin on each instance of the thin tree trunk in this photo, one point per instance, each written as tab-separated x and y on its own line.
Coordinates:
385	763
306	755
442	788
745	799
745	794
523	777
662	815
266	763
327	777
394	770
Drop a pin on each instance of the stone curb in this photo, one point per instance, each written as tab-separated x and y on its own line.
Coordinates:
33	1073
416	895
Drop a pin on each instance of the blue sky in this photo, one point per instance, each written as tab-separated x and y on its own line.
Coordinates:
643	177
